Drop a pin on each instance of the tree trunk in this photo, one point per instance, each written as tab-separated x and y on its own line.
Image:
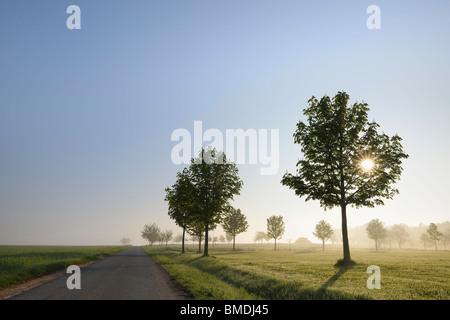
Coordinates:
234	241
205	252
435	244
275	244
200	243
182	241
323	245
346	247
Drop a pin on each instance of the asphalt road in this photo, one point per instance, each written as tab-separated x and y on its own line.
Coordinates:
128	275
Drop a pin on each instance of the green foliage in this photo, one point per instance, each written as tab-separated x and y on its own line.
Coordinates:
234	223
180	198
376	230
323	231
334	142
213	184
275	228
151	233
433	233
400	233
199	199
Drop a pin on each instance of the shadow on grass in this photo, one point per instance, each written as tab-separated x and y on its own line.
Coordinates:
271	288
322	292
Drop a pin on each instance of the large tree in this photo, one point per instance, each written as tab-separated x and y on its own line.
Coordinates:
214	182
376	230
346	161
275	228
323	232
234	223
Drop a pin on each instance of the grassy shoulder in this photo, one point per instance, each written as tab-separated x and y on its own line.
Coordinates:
306	274
22	263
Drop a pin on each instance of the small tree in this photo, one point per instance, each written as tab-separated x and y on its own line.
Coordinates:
234	223
151	233
228	237
376	231
167	236
400	233
323	232
125	241
222	238
260	236
445	237
275	228
434	233
425	239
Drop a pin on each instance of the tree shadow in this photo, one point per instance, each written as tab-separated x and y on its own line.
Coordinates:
322	292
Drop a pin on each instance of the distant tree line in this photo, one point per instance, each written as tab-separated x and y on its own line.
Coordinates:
152	233
377	231
399	235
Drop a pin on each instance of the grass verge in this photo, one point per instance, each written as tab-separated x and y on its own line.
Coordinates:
307	274
21	263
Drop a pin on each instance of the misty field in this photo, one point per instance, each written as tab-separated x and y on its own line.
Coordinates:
307	274
21	263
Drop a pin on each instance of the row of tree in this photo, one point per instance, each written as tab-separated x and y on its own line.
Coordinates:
152	233
346	162
379	232
200	198
234	223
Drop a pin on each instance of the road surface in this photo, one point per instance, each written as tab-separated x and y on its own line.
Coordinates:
128	275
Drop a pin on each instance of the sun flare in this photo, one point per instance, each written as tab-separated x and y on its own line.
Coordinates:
367	164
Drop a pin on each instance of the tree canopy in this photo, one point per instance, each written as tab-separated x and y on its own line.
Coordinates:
399	233
323	232
234	223
275	228
376	231
433	233
151	233
200	197
181	207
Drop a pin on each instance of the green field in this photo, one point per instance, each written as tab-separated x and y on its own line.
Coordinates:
21	263
307	274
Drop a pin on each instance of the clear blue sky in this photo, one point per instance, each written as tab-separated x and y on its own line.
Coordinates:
86	115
